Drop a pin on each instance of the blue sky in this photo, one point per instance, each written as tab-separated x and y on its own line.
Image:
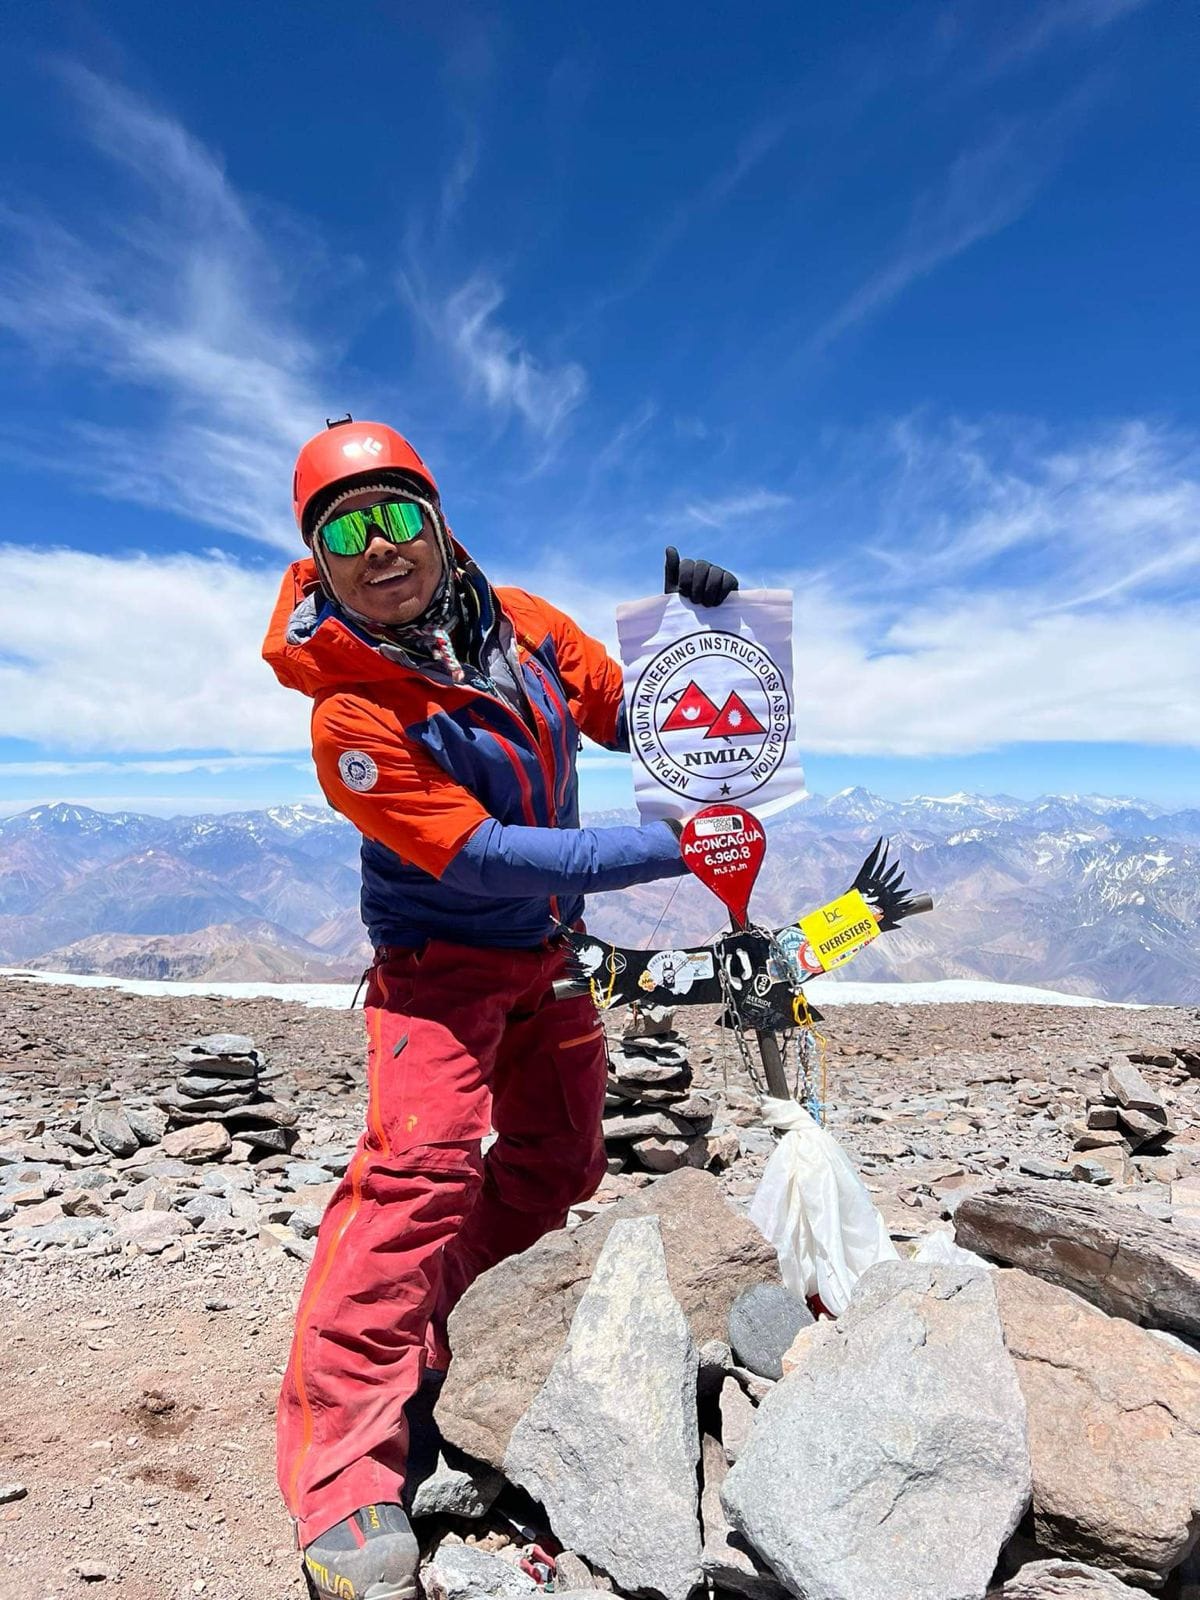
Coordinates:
893	305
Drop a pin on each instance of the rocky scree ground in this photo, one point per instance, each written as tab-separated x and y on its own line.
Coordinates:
148	1298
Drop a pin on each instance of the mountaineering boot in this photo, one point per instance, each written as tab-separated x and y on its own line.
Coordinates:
370	1555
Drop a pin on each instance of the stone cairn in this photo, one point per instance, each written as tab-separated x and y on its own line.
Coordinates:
654	1121
221	1081
1125	1114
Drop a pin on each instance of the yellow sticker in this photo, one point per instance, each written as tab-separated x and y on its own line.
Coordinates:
840	929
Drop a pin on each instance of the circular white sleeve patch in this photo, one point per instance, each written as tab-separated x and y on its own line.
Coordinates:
358	770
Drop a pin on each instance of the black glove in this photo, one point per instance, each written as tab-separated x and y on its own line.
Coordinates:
698	581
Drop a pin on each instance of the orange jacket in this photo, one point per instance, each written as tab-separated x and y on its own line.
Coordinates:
423	767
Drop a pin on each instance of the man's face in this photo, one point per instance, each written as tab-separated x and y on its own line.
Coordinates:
388	583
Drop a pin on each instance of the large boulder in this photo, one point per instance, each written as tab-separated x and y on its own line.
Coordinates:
1114	1431
510	1325
1063	1580
610	1445
893	1460
1113	1255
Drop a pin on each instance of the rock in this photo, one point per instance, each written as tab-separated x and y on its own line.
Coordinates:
510	1325
82	1203
71	1232
1064	1580
108	1128
648	1022
572	1572
722	1148
278	1236
763	1322
1143	1127
206	1208
304	1174
1097	1138
1125	1084
1103	1166
650	1124
1142	1050
893	1461
726	1560
225	1044
305	1221
1087	1169
737	1418
670	1155
186	1111
273	1140
716	1361
90	1571
33	1216
619	1487
457	1490
1114	1431
262	1114
245	1068
1102	1116
672	1072
202	1086
757	1388
151	1163
798	1353
460	1572
1158	1169
1113	1255
151	1231
203	1141
147	1122
149	1196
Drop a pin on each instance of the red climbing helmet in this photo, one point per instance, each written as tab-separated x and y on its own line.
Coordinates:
349	449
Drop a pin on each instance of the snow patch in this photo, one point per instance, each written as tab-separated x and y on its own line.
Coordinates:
825	991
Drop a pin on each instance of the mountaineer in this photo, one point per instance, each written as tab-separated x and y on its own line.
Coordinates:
446	717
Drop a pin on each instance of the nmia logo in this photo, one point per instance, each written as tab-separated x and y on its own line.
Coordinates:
711	716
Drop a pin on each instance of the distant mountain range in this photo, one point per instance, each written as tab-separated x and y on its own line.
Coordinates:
1092	895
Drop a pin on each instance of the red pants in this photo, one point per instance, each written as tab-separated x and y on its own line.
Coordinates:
459	1040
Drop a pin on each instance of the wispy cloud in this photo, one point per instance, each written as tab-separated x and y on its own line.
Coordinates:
1051	22
984	190
1089	519
496	364
458	178
755	145
183	302
735	508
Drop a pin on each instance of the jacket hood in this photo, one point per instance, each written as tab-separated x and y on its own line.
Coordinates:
312	647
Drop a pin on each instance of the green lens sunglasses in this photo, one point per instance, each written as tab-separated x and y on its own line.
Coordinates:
352	532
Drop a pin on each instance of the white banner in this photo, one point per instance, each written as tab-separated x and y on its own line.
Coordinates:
708	690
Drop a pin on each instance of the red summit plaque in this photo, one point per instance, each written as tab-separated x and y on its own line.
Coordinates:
724	846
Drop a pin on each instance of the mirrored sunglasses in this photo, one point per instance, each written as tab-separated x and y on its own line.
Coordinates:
352	532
